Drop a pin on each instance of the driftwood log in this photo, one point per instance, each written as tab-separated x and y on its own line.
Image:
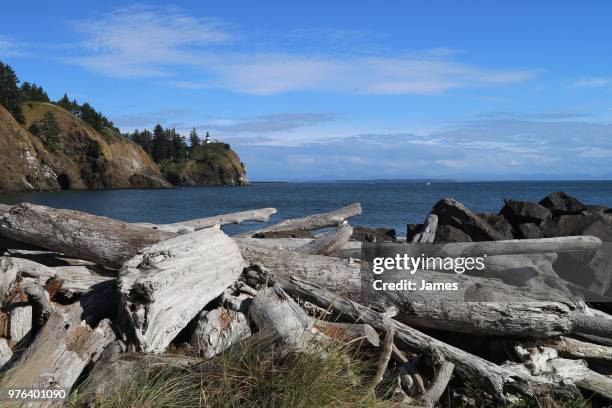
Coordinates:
329	242
273	311
73	337
262	215
167	284
102	240
428	232
216	330
312	222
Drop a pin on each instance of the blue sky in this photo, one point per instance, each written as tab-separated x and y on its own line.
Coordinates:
342	90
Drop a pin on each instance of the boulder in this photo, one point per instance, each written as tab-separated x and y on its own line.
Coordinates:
560	203
412	230
529	230
499	224
447	233
521	212
453	213
598	224
367	234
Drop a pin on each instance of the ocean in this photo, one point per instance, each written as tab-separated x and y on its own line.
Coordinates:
390	204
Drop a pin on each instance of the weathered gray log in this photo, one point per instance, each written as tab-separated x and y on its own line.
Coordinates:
63	348
98	239
20	322
493	378
312	222
329	242
438	384
216	330
510	312
573	348
5	352
351	249
544	363
428	232
75	279
385	356
167	284
262	215
348	332
274	311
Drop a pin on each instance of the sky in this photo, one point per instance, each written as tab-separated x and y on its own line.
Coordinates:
320	90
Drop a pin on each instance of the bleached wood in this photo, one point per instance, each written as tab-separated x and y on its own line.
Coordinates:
274	311
438	384
493	378
510	311
102	240
350	249
5	352
312	222
385	356
167	284
76	279
20	319
573	348
60	352
216	330
329	242
428	232
261	215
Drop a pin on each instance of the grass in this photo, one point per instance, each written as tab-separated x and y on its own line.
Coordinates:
247	377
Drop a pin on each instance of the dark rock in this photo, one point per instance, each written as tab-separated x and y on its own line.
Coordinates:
521	212
284	234
598	224
453	213
499	224
447	233
561	203
367	234
529	230
412	230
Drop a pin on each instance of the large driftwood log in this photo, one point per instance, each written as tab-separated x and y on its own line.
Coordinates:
98	239
312	222
262	215
75	279
274	311
329	242
510	311
166	285
493	378
351	249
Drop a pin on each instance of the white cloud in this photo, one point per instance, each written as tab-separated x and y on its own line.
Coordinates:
8	48
593	82
148	42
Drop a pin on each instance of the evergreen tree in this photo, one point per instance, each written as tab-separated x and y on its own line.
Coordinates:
33	93
10	97
194	139
49	131
160	148
179	146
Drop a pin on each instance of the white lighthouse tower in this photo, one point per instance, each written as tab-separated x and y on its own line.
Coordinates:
207	140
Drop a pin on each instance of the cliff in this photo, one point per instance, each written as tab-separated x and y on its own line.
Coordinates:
208	165
80	158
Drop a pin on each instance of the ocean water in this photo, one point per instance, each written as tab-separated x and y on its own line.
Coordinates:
390	204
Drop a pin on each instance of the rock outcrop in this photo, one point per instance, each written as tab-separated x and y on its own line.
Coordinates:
211	164
82	158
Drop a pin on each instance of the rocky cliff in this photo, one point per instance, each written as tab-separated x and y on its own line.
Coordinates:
209	164
81	158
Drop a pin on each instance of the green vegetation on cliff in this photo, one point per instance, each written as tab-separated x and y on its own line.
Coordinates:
48	145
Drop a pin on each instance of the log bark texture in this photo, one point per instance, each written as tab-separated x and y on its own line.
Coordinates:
216	330
438	384
167	284
312	222
261	215
98	239
329	242
428	232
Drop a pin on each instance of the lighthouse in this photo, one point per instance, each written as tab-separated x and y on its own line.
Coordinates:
207	140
